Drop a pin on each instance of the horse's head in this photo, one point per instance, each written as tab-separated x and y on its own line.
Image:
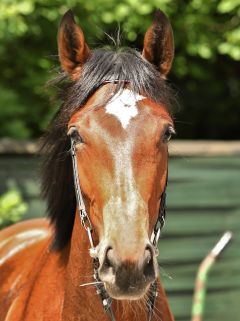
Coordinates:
122	130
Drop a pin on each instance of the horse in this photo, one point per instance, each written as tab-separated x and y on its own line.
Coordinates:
104	178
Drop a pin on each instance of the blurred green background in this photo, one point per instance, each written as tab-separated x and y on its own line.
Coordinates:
206	70
203	192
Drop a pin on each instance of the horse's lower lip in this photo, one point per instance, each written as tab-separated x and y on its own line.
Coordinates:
131	293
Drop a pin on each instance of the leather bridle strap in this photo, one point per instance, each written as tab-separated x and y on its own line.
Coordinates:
79	198
86	223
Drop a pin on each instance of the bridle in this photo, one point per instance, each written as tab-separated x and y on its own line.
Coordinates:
86	223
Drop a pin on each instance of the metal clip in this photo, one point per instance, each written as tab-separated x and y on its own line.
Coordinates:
156	233
85	219
89	232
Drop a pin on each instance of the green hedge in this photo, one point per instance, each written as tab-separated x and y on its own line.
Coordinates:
12	207
205	71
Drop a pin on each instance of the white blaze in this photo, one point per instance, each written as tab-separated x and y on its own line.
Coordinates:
124	213
123	106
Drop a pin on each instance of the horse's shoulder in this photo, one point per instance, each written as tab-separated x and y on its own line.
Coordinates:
26	265
15	229
21	236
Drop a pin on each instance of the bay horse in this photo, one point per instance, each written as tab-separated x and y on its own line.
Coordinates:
104	179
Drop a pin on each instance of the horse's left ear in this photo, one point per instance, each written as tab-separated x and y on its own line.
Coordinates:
72	49
159	43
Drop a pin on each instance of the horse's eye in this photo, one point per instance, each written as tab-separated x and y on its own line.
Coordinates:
74	134
168	134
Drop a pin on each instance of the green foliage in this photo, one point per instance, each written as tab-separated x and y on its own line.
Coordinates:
207	39
12	207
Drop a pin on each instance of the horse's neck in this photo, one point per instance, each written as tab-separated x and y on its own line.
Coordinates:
83	303
78	271
79	302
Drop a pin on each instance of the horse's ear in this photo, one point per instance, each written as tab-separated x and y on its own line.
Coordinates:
72	48
159	43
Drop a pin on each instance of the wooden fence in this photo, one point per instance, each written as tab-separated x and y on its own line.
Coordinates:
203	202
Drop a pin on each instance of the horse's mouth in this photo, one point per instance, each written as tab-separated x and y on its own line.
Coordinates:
126	285
128	279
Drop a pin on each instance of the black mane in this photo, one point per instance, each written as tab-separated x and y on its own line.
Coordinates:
57	175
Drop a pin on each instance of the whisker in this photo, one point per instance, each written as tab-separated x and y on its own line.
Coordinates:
156	312
90	276
164	273
91	283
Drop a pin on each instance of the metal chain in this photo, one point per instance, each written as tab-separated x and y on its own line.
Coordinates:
151	299
101	291
160	220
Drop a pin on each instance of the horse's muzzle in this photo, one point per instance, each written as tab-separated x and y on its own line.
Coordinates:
128	279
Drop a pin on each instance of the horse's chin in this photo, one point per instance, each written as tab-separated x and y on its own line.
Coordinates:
131	293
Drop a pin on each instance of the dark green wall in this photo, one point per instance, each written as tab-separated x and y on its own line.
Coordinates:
203	202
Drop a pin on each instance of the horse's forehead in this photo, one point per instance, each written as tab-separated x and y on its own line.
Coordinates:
121	112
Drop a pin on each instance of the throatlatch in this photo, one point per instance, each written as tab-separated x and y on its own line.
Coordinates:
86	223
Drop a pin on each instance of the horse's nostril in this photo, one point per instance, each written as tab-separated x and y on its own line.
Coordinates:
109	258
148	264
148	254
108	264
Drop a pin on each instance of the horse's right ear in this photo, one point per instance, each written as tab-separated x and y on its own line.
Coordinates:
72	48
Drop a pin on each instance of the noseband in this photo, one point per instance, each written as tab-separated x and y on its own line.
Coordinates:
86	223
